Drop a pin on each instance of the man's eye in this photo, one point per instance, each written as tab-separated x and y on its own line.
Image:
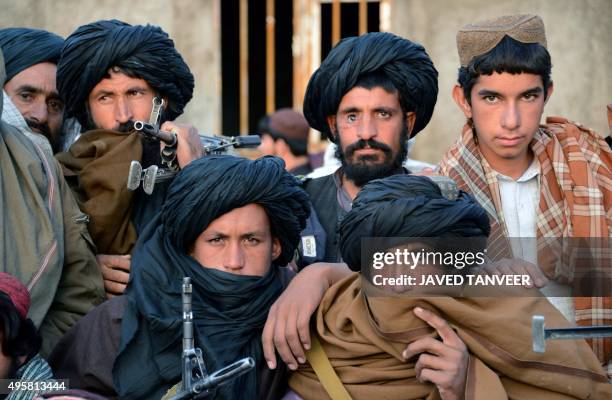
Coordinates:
56	106
384	114
490	99
253	240
351	117
26	96
215	240
135	93
530	97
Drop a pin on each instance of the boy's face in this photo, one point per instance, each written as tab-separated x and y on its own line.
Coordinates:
506	110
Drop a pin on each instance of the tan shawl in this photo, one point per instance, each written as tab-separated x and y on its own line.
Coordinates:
364	341
101	161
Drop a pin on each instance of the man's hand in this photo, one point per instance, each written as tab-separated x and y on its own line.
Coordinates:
189	146
517	266
287	328
115	271
443	363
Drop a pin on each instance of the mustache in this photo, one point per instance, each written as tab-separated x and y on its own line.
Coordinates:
370	143
125	127
40	127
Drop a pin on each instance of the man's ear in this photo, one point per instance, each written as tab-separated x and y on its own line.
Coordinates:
331	123
410	120
549	93
276	248
461	101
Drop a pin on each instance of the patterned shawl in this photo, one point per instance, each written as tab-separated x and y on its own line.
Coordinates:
575	199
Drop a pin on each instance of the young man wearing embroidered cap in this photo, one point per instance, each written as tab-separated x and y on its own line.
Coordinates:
535	181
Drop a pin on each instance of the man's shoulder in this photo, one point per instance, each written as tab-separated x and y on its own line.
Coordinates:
317	184
563	126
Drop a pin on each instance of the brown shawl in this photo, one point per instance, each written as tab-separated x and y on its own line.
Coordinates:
575	200
364	340
101	159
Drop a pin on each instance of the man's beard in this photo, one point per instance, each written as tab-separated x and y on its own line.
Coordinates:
44	130
360	171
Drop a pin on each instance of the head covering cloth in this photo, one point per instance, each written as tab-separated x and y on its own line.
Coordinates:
26	47
407	206
143	50
404	62
229	310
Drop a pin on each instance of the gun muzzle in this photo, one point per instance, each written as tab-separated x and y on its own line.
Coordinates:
168	138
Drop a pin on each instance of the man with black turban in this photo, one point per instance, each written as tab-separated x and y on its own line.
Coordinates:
230	224
109	74
379	345
30	57
369	96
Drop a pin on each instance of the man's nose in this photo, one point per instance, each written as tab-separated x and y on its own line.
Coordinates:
511	116
368	128
39	112
123	111
234	258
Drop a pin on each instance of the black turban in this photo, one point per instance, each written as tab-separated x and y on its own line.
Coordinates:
407	206
195	200
145	51
230	310
404	63
25	47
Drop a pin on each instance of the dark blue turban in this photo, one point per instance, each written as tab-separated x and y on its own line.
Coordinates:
404	63
25	47
144	51
229	310
408	206
194	199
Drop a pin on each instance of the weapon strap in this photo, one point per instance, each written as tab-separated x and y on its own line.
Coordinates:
325	372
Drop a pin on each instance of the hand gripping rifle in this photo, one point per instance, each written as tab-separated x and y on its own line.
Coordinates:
195	380
154	174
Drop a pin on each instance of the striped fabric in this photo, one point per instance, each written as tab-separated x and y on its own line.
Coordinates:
575	200
35	370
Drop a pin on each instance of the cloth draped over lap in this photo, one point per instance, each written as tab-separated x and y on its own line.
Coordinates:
364	339
575	202
101	159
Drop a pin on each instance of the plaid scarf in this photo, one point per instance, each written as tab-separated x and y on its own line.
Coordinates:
575	199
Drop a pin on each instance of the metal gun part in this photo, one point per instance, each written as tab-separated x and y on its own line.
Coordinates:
148	176
540	334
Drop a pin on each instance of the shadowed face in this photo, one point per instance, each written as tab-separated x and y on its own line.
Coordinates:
35	95
239	242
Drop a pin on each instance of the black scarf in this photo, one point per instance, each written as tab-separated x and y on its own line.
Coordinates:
229	310
407	206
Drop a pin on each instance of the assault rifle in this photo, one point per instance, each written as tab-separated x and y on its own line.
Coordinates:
195	381
154	174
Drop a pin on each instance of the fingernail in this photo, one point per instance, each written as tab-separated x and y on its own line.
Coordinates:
271	365
307	346
292	367
301	360
418	309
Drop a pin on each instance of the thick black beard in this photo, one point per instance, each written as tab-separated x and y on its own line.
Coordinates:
361	173
45	131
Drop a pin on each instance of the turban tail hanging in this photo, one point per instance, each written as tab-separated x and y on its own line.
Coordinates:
404	63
